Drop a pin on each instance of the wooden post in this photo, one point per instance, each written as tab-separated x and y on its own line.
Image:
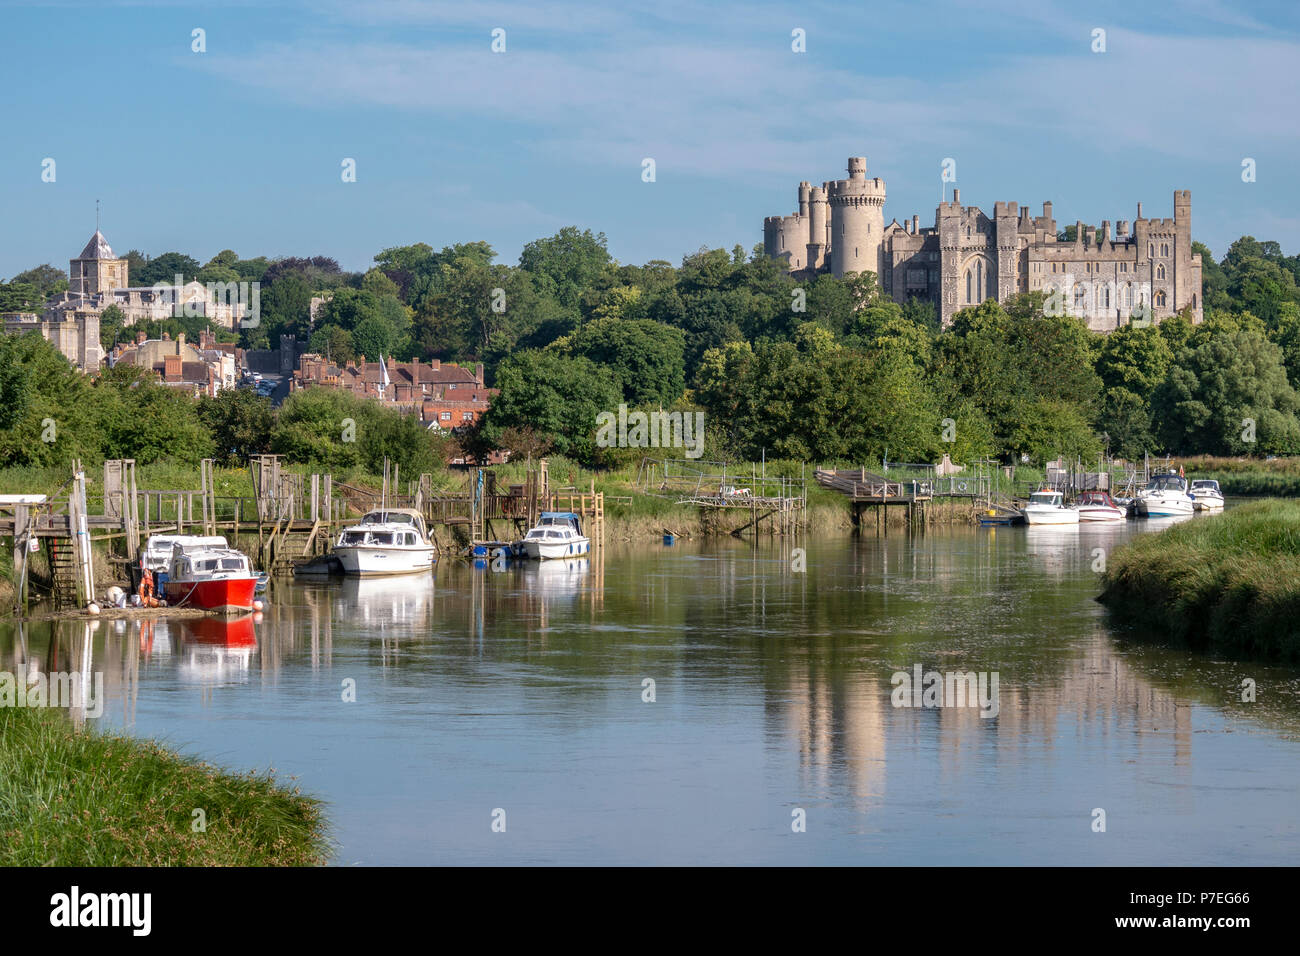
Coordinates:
21	547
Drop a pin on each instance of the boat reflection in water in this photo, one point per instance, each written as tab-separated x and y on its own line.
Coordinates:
216	650
557	577
381	601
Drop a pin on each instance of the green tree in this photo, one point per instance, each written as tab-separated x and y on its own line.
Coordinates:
240	422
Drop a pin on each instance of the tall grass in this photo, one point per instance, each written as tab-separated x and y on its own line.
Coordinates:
1229	582
70	798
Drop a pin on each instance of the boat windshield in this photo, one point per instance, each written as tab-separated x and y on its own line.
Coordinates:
1045	498
1168	483
1205	485
388	517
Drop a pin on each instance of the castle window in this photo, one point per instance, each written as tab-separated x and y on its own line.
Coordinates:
1128	296
1123	267
1164	248
1151	250
1080	299
1160	271
1161	299
1105	297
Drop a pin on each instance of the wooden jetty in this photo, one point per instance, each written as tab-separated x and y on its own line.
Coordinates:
291	517
714	488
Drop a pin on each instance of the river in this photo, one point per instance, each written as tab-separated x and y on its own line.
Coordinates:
508	717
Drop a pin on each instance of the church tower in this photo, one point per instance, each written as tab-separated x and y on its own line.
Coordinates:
96	269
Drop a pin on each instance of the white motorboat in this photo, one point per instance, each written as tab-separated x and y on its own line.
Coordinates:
557	534
386	541
1206	495
1048	507
1099	506
1165	496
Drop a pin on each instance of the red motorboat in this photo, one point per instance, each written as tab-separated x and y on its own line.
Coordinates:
211	578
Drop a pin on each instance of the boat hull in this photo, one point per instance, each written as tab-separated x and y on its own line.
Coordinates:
381	561
1052	516
1164	507
225	596
1101	513
1208	504
566	549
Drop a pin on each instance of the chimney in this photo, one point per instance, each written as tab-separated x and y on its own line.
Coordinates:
1105	230
1047	210
1139	210
172	368
478	374
956	196
180	342
916	225
140	338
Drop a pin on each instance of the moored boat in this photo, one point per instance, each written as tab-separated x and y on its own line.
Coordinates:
1165	496
1099	506
387	541
1048	507
210	578
557	534
1206	495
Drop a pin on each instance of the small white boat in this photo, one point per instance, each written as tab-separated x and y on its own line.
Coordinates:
1099	506
1165	496
1048	507
557	534
1206	495
386	541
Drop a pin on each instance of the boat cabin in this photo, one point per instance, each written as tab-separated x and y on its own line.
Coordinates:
208	564
1047	499
408	517
1096	498
558	520
1168	482
159	547
1205	485
384	536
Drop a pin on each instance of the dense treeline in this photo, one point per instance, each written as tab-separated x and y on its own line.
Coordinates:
824	369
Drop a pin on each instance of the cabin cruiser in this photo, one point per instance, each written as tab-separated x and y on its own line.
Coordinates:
1048	507
1206	495
556	535
1165	496
1099	506
386	541
212	578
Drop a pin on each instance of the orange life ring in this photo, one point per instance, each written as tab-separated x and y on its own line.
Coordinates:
146	586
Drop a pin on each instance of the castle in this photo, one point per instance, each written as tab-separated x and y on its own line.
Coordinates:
1147	268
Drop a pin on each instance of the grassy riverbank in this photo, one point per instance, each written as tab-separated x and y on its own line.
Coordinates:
1227	583
70	798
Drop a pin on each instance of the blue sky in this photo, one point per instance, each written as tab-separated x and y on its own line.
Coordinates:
240	147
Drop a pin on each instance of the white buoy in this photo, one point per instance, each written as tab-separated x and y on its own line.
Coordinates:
257	605
92	608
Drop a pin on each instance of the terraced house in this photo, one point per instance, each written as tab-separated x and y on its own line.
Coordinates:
444	396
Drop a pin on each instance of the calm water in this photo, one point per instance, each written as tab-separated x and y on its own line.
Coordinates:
522	690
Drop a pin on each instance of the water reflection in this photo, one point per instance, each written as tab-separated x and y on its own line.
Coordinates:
772	673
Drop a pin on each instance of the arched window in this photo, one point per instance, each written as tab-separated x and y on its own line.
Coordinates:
1105	297
1164	248
1160	271
1080	299
1128	296
1161	299
1152	250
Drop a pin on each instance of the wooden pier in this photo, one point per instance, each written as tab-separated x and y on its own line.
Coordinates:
291	517
714	488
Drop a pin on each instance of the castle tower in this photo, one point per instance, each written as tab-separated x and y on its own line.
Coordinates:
857	220
817	225
96	270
